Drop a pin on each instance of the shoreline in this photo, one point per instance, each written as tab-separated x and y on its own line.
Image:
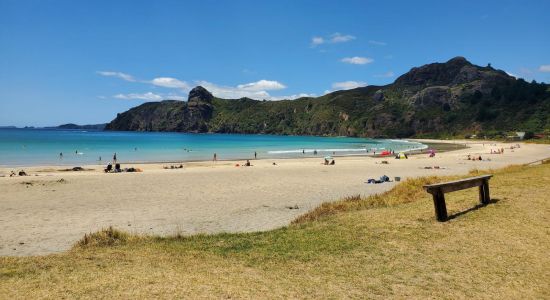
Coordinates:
48	213
413	151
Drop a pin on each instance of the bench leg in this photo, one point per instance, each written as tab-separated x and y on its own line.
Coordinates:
439	205
486	196
482	194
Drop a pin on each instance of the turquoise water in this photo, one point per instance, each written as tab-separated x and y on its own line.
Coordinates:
24	147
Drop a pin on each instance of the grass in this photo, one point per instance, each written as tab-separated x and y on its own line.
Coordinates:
376	247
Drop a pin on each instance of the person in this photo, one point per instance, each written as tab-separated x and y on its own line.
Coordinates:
60	155
303	151
255	155
75	151
135	148
114	158
315	152
326	162
100	159
332	163
215	157
247	163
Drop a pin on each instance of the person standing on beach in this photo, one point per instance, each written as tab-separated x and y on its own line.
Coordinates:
215	159
255	155
114	158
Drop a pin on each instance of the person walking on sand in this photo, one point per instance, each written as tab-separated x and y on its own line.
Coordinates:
114	158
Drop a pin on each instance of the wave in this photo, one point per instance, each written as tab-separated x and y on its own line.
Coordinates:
318	150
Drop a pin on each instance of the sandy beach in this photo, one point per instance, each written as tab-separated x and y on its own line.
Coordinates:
48	211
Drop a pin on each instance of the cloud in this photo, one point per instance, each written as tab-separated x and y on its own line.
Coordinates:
544	68
134	96
117	74
347	85
255	90
341	38
169	82
334	38
512	74
357	60
263	84
377	43
385	75
291	97
317	40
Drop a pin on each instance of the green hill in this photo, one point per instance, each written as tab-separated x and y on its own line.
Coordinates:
439	99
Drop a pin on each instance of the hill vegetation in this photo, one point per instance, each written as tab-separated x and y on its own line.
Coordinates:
436	100
376	247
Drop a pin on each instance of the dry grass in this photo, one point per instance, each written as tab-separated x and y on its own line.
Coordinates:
387	247
106	237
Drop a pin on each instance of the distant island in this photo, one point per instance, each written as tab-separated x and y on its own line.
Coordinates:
75	126
435	100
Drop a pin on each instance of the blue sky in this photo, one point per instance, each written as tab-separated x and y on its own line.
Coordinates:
85	61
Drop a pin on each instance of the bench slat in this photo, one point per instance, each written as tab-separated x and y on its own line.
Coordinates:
451	186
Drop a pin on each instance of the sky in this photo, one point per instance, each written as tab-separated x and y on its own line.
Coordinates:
85	61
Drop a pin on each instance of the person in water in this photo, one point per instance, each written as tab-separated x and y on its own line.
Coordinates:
60	155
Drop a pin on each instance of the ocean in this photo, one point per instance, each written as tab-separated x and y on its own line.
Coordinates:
31	147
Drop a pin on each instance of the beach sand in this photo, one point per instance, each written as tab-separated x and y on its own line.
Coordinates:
48	213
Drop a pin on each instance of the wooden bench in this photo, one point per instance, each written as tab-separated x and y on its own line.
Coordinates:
438	191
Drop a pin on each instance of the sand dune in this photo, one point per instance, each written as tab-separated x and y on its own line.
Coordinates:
45	214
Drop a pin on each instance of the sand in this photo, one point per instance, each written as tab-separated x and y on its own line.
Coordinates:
50	210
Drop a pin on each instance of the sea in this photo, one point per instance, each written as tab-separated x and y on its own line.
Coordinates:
42	147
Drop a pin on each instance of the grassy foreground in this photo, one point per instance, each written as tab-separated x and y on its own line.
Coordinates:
379	247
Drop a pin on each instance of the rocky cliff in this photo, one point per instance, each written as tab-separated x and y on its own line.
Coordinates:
432	100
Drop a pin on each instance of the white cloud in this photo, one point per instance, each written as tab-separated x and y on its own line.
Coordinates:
117	74
169	82
134	96
385	75
317	40
544	68
263	84
357	60
341	38
347	85
377	43
512	74
291	97
331	39
255	90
